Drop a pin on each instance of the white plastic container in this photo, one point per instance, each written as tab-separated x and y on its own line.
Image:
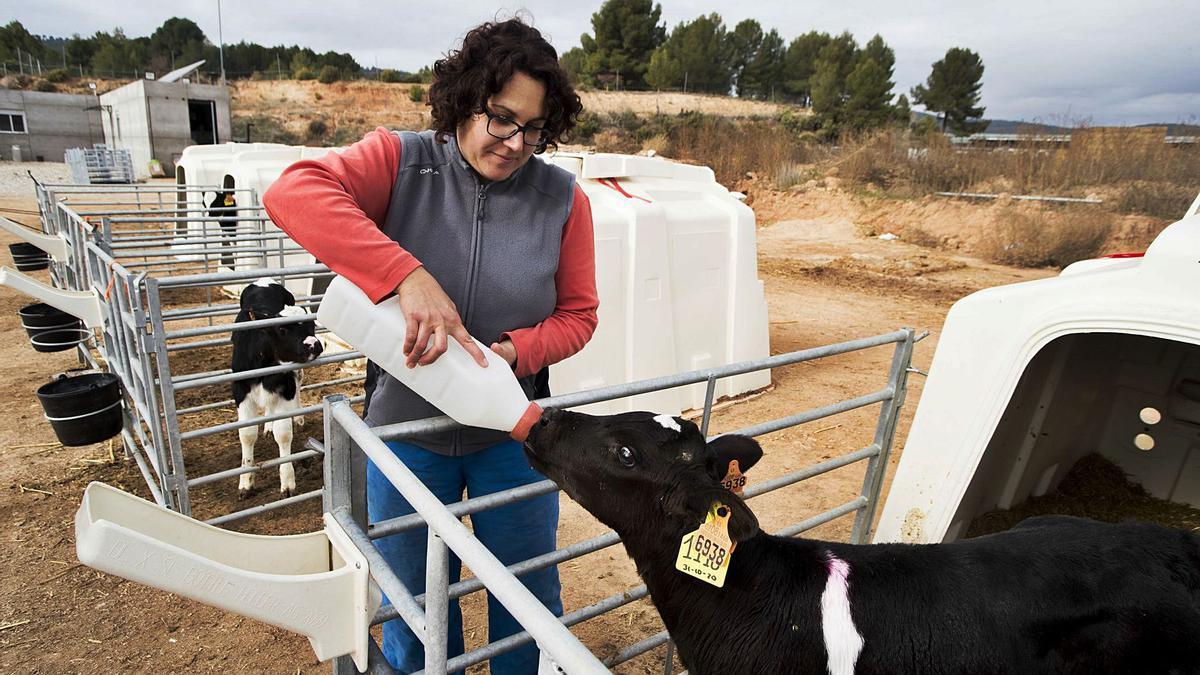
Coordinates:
480	397
1028	378
677	277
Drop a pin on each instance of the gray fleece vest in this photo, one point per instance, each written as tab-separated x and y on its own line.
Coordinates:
494	249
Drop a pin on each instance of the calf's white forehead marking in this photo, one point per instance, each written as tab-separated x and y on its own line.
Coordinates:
264	282
292	310
311	341
843	643
668	422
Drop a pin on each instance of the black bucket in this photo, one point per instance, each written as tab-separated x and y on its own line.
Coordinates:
28	257
51	329
84	409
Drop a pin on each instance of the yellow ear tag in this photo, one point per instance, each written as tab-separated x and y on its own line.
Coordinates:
229	201
734	480
704	553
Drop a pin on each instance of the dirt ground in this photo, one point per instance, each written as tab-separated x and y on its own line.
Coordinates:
825	282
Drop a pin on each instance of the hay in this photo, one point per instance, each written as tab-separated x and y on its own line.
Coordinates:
1094	488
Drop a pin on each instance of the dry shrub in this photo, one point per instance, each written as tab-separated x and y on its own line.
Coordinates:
615	140
658	143
1046	237
792	173
871	159
1154	198
731	148
921	237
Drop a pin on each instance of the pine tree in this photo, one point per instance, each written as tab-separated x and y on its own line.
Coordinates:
744	43
763	76
696	54
626	33
952	90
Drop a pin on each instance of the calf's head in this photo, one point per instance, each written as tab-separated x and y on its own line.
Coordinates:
640	473
293	342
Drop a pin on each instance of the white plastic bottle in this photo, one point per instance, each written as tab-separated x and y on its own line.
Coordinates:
480	397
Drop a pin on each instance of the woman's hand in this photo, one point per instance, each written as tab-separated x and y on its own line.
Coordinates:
429	312
506	350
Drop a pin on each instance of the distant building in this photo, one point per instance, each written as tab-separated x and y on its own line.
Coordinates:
42	125
157	119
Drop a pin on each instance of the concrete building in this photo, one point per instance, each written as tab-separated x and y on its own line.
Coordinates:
42	125
157	120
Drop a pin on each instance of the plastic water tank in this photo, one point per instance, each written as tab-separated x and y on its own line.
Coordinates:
677	276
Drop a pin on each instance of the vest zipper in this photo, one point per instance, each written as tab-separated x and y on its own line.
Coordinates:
472	274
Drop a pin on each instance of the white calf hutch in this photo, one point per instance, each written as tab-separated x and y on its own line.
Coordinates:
1029	378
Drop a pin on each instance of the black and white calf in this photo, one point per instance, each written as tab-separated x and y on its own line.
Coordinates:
263	347
1054	595
227	220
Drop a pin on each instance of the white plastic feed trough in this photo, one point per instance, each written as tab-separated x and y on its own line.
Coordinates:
315	584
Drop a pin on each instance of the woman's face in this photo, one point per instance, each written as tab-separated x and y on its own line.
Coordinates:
523	101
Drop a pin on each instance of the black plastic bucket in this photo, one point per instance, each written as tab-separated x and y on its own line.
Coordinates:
28	257
51	329
84	409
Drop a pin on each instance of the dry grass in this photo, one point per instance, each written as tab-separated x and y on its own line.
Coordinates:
1047	237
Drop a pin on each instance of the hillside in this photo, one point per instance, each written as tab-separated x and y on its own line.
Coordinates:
349	109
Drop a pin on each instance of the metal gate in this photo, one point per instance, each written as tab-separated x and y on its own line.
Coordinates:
349	442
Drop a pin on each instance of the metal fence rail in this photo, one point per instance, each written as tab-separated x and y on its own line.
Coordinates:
348	443
146	329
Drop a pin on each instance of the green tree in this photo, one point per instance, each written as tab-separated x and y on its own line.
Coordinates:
878	51
952	91
800	63
80	51
14	37
902	112
868	96
180	41
625	34
828	84
696	55
744	43
572	61
763	76
114	55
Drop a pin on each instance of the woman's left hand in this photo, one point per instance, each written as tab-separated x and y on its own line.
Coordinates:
506	350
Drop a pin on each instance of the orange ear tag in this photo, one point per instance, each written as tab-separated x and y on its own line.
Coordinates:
734	480
704	553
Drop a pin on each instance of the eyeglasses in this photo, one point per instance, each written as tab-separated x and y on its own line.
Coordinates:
499	126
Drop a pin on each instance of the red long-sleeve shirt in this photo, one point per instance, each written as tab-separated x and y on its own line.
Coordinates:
334	207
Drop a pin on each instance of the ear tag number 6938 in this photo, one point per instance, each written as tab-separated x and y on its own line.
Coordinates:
704	553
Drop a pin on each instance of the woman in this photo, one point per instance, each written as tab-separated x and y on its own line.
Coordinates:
476	239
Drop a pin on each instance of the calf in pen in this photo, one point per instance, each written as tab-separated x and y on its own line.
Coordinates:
276	393
1054	595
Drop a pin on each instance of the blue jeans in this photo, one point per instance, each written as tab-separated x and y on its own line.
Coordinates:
513	533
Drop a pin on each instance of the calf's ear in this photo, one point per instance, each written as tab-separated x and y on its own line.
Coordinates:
692	505
729	447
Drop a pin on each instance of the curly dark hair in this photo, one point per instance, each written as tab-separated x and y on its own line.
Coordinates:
479	69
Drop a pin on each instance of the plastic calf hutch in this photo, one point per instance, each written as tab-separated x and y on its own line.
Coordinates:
1028	378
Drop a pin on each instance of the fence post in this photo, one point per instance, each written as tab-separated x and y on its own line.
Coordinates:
345	487
437	604
885	431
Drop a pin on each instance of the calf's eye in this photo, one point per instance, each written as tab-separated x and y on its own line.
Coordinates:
626	457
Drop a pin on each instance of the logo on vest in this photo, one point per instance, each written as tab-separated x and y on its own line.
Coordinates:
428	170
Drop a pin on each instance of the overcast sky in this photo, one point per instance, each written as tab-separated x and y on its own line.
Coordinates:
1053	61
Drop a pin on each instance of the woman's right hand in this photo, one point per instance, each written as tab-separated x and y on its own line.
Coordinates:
429	312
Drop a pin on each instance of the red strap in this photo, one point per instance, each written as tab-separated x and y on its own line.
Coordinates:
617	186
1126	255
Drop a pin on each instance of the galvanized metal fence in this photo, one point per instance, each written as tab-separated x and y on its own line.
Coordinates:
349	443
136	246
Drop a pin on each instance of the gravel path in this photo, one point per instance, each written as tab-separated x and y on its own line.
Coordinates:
14	176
